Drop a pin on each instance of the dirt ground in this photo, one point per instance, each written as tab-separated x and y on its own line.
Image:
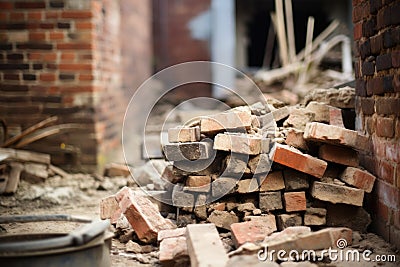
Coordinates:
80	194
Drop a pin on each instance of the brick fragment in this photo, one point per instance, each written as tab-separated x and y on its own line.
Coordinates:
259	164
188	151
222	186
293	158
238	143
288	220
358	178
295	201
294	138
335	117
184	134
174	251
171	233
240	120
272	182
247	186
280	113
114	170
270	201
333	135
320	110
142	215
198	181
236	163
337	194
298	118
204	246
182	198
252	231
223	219
315	216
337	154
109	209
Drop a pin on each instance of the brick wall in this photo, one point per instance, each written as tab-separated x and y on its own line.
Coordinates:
377	40
62	57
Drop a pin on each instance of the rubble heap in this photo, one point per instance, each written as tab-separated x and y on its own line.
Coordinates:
254	171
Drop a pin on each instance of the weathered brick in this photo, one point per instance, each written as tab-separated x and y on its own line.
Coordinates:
337	194
238	143
270	201
293	158
204	246
115	169
198	181
252	231
295	201
376	44
259	164
295	180
298	118
109	209
383	62
272	182
247	186
142	215
385	126
223	219
183	134
171	233
174	251
288	220
280	113
396	59
369	27
358	178
295	139
315	216
224	121
222	186
361	87
337	154
357	31
365	48
181	198
334	135
368	68
188	151
235	164
367	105
388	106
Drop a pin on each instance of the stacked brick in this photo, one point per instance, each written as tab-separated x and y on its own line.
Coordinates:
265	174
376	35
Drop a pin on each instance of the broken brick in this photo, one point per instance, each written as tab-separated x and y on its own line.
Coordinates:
240	120
315	216
142	215
247	186
288	220
337	154
294	138
114	169
333	135
222	186
170	233
259	164
358	178
183	134
198	181
298	118
295	180
321	111
188	151
280	113
335	117
273	182
295	201
337	194
294	159
236	163
270	201
223	219
174	250
205	247
180	198
109	209
252	231
238	143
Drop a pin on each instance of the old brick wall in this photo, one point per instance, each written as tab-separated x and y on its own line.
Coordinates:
62	57
377	40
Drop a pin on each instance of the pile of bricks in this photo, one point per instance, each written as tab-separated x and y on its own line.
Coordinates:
252	171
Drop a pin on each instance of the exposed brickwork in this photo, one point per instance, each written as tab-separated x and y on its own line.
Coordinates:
56	59
377	89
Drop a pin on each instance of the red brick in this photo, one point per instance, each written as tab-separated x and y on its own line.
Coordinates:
293	158
52	15
295	139
388	194
35	56
334	135
48	77
358	178
49	57
30	5
76	14
6	5
109	209
16	16
385	126
37	36
273	182
238	143
68	56
173	250
56	35
35	15
75	46
295	201
252	231
183	134
171	233
383	62
337	194
337	154
86	77
84	25
393	151
142	215
388	106
335	117
386	171
357	31
225	120
198	181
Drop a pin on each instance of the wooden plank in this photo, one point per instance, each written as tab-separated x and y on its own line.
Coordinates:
29	130
23	155
281	32
290	31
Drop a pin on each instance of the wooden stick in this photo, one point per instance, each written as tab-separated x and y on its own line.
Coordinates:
29	131
269	46
323	35
290	31
308	50
281	32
